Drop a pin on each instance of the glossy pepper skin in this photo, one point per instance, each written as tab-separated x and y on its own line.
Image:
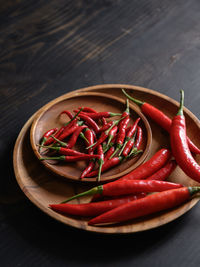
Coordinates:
164	172
179	145
93	208
160	118
118	188
148	205
149	167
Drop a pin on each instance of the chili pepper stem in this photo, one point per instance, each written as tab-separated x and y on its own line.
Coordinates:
114	153
193	190
123	147
63	144
83	137
136	101
101	162
180	111
95	190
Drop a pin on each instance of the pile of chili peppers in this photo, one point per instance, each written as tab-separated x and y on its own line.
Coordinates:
107	142
143	191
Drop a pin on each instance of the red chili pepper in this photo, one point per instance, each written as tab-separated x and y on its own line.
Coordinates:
164	172
72	158
148	205
90	137
99	115
88	109
100	160
180	147
112	134
122	129
66	151
109	153
93	208
68	113
75	135
90	122
129	146
70	130
118	188
108	164
149	167
110	145
46	135
105	127
104	121
160	118
137	143
129	136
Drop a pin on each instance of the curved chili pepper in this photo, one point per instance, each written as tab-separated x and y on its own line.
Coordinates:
108	164
88	109
99	115
46	135
160	118
147	205
72	158
75	135
129	146
149	167
63	129
129	136
112	134
90	122
164	172
118	188
68	113
180	147
137	142
70	130
93	208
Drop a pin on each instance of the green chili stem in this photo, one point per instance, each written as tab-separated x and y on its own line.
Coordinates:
136	101
180	111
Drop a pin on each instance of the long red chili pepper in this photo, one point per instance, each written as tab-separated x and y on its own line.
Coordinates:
70	130
118	188
147	205
99	115
71	158
180	147
108	164
90	122
68	113
93	208
149	167
164	172
46	135
129	134
160	118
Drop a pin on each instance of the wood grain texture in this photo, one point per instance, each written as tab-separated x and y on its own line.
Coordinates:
42	188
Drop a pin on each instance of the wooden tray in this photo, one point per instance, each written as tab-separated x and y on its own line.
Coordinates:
48	118
43	188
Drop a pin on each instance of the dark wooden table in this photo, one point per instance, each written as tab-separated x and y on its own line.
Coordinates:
48	48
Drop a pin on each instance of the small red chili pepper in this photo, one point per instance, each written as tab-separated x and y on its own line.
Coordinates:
71	158
90	137
122	129
160	118
93	208
149	167
137	143
110	145
99	115
90	122
180	147
118	188
70	130
164	172
129	135
88	109
68	113
129	146
75	135
66	151
112	134
109	153
100	160
108	164
106	126
46	135
148	205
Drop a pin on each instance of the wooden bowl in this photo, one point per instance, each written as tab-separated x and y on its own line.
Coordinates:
49	118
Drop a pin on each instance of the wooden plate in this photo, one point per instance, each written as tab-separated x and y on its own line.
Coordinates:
48	118
42	187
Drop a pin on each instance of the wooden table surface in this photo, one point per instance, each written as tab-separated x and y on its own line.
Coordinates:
49	48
